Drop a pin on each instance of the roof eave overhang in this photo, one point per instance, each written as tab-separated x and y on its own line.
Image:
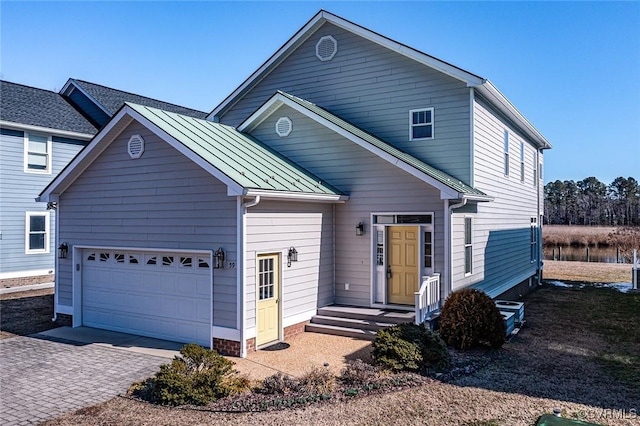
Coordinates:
307	31
498	100
41	129
71	83
91	151
277	100
296	196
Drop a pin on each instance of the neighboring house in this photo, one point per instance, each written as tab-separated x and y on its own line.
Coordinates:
348	169
41	131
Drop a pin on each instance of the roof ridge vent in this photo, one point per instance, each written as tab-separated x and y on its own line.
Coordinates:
326	48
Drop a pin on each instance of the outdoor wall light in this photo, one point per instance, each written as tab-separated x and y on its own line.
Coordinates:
360	229
218	257
63	251
292	256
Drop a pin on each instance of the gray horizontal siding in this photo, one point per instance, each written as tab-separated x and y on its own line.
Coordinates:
374	88
273	227
18	191
501	227
161	200
373	185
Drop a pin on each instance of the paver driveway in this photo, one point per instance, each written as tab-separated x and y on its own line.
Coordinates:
42	378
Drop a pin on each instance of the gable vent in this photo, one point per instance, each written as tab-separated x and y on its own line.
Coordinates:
135	146
284	126
326	48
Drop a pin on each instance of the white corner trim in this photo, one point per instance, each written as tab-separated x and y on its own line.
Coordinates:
225	333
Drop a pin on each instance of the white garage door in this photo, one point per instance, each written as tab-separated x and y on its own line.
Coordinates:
155	294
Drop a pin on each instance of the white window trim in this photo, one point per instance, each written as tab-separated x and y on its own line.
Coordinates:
506	153
467	274
47	171
47	232
522	166
432	124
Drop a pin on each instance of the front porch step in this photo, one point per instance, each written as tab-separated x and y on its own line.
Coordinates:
356	322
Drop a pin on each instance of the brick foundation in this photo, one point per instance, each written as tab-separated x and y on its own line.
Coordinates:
22	281
232	348
64	320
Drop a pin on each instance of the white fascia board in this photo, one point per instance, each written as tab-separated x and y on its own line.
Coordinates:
79	159
444	189
298	196
232	185
302	34
262	113
405	50
501	102
48	130
324	16
72	82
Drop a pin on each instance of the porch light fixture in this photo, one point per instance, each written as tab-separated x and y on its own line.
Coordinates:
63	251
218	257
292	256
360	229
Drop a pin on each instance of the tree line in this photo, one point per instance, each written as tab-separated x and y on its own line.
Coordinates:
591	202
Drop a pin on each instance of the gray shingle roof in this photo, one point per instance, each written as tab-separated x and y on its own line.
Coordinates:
113	100
38	107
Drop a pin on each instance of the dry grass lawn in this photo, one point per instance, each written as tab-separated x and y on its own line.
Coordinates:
576	353
591	272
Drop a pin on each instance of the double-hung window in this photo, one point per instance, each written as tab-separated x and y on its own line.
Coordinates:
468	247
37	232
421	124
534	240
37	154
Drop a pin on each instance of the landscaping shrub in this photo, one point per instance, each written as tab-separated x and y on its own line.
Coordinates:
318	381
280	384
470	318
358	373
409	347
197	377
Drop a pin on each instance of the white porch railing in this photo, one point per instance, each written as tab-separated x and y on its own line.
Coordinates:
428	298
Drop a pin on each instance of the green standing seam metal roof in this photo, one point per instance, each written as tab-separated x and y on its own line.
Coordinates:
241	157
431	171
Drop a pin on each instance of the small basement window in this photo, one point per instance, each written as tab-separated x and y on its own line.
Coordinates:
421	124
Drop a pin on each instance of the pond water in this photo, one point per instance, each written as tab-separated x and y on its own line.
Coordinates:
579	254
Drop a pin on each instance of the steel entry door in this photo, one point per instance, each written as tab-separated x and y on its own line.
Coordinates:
402	268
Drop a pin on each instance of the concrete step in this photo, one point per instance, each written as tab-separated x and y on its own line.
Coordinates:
356	323
341	331
367	314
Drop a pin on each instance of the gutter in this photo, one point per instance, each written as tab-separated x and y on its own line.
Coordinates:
448	252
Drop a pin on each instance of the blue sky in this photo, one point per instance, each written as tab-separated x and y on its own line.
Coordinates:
572	68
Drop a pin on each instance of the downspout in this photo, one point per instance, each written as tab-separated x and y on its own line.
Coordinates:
242	277
539	218
56	264
333	250
449	250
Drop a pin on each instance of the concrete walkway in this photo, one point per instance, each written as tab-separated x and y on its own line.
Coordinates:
42	377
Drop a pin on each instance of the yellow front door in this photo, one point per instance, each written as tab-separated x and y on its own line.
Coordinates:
402	267
268	287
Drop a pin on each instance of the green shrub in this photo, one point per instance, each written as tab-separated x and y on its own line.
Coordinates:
470	318
409	347
280	384
358	373
197	377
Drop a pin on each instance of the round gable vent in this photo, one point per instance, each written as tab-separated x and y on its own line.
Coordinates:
135	147
283	126
326	48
